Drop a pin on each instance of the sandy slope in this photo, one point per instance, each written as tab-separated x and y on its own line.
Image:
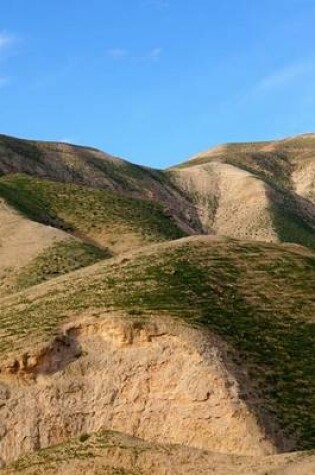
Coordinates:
22	239
110	453
230	201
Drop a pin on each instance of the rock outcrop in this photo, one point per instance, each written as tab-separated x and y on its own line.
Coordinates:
161	381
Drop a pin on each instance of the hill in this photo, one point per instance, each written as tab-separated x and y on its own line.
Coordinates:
261	191
32	252
66	163
257	299
175	307
257	191
287	163
111	453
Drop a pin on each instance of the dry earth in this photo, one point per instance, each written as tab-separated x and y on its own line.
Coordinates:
175	393
157	380
110	453
230	201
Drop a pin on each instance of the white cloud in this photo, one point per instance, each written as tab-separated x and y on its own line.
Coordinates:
4	81
117	53
155	53
151	55
284	76
158	3
68	140
5	39
278	80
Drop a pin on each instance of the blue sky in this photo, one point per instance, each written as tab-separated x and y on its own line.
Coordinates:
156	81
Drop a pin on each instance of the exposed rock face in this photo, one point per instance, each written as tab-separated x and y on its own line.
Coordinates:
159	381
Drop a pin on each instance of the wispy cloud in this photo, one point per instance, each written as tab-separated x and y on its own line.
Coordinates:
118	53
278	80
5	39
285	76
158	3
155	53
68	140
4	81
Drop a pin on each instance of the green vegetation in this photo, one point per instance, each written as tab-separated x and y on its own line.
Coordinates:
273	162
26	148
290	227
81	165
59	259
272	167
88	211
258	297
85	447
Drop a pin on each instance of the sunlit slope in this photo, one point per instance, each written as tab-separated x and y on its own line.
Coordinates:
250	191
105	218
287	163
31	252
67	163
258	297
112	453
259	191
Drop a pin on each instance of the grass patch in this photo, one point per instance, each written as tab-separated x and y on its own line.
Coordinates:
274	168
84	447
57	260
89	211
290	227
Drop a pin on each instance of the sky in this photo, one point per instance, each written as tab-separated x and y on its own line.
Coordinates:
156	81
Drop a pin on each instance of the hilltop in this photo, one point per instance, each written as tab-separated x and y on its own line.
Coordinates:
261	191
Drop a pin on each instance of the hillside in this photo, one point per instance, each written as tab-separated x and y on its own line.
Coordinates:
287	163
257	297
111	453
259	191
31	252
66	163
175	308
104	218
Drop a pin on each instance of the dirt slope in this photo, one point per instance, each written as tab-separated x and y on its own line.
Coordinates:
288	163
31	252
112	453
203	341
157	380
230	201
260	191
19	233
257	298
90	167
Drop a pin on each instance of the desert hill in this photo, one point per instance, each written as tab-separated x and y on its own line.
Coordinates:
247	191
32	252
257	298
90	167
174	307
262	191
287	163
